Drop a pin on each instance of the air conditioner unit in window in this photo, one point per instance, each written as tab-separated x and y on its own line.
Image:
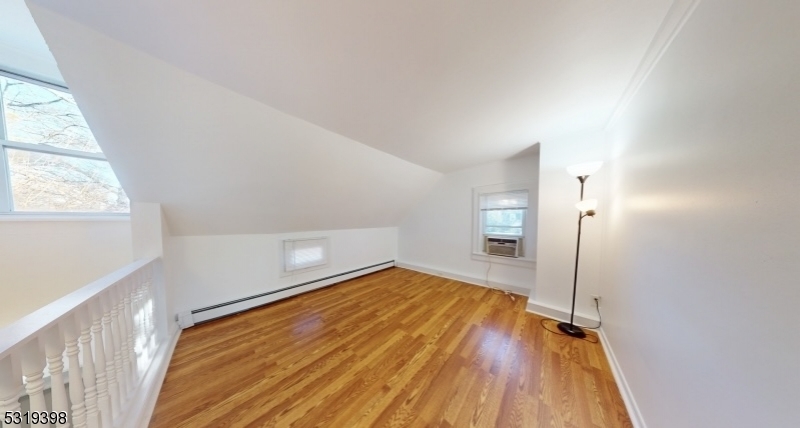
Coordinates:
507	246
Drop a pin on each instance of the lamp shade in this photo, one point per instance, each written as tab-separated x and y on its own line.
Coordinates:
582	169
587	205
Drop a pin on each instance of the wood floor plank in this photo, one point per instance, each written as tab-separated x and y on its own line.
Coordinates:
396	348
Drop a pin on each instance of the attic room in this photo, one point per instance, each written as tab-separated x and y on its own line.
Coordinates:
423	213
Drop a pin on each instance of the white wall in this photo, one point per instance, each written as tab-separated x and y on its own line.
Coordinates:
558	226
438	232
41	261
148	229
221	163
700	283
207	270
150	236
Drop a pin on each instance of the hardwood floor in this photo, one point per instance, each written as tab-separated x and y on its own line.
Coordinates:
394	348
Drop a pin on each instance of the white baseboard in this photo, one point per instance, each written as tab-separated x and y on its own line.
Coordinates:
190	318
144	400
625	390
522	291
622	384
559	313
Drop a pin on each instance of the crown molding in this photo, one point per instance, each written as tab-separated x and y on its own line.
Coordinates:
677	15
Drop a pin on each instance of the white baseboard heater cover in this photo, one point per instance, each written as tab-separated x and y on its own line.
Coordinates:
209	313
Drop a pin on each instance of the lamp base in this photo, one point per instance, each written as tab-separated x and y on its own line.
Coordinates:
572	330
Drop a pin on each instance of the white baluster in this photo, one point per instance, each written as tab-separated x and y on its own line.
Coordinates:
155	285
10	389
111	372
145	313
54	350
76	393
136	310
84	321
125	351
117	330
141	308
130	364
33	361
145	310
103	398
150	307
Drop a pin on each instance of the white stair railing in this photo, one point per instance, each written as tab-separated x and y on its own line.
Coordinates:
104	336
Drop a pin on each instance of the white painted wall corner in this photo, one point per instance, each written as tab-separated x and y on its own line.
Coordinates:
522	291
622	384
559	314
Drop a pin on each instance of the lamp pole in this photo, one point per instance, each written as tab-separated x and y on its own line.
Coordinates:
571	329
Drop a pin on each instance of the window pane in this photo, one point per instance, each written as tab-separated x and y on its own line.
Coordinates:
38	115
505	217
304	253
305	257
42	182
491	230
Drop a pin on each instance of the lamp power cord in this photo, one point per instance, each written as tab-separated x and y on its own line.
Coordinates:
590	339
495	289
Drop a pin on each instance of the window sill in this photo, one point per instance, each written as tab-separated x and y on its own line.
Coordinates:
298	272
511	261
64	217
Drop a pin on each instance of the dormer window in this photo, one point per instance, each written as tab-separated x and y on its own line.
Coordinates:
50	161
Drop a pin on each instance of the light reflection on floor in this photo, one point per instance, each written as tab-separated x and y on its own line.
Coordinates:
307	323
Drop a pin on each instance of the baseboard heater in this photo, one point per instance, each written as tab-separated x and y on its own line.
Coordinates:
210	313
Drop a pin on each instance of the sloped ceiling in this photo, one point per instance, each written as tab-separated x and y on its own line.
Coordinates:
445	84
22	48
273	116
219	162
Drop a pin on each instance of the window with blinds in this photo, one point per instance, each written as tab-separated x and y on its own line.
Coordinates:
503	213
304	254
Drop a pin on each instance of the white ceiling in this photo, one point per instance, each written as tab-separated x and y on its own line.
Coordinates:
444	84
22	47
270	116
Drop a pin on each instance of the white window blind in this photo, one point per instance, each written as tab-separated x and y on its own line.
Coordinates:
301	254
514	200
504	213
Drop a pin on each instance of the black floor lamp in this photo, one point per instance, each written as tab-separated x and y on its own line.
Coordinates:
587	208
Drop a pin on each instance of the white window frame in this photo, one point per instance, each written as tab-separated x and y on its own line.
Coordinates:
529	228
282	243
6	200
482	221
